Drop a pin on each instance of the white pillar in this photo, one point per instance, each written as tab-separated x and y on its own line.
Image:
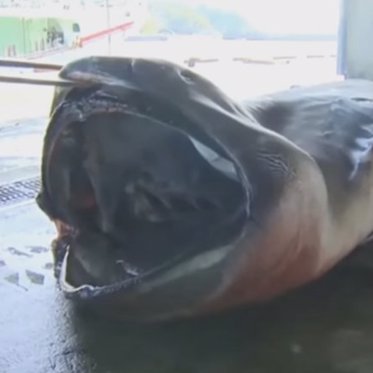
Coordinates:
355	54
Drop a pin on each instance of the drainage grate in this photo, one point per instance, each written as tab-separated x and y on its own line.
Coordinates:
19	191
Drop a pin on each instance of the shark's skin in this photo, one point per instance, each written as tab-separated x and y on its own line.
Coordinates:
302	169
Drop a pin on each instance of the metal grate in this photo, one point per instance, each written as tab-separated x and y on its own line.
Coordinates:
19	191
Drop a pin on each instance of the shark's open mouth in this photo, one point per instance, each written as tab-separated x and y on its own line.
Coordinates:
137	189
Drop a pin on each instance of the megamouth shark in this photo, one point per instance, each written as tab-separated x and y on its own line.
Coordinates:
173	200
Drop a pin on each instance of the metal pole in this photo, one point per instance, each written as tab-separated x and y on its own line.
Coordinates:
342	38
9	62
108	25
38	81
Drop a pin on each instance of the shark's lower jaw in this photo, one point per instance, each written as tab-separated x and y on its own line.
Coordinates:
139	194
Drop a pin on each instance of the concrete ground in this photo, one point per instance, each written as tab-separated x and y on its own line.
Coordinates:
326	328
